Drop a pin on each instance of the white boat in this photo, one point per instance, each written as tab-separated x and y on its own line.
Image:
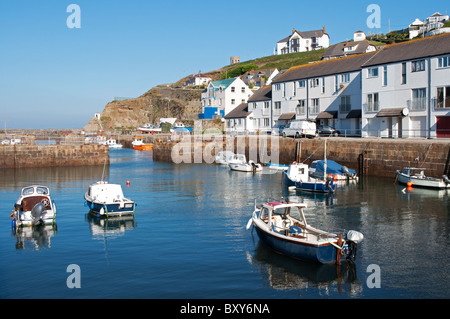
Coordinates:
149	128
283	227
112	143
249	166
415	177
106	199
222	157
237	159
34	207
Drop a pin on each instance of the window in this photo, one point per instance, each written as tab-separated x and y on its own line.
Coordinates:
336	83
277	106
345	77
243	89
243	101
314	82
372	72
300	109
266	122
443	97
323	85
419	99
345	103
277	87
417	66
233	101
372	102
444	62
403	73
301	84
315	106
385	81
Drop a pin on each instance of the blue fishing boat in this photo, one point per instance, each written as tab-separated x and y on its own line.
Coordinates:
331	169
107	200
283	227
297	177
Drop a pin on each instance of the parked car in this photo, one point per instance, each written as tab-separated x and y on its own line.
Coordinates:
277	130
300	128
325	130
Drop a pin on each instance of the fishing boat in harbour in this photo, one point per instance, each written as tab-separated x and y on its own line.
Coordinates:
112	144
333	170
106	199
249	166
138	144
223	157
34	207
283	227
415	177
297	177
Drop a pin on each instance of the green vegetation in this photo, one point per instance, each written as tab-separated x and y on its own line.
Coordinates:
281	62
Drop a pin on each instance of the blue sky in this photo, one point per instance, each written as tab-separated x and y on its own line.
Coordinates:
52	76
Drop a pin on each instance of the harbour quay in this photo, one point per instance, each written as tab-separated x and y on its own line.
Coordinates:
21	156
368	156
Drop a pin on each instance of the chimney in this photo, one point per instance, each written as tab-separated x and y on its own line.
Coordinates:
324	29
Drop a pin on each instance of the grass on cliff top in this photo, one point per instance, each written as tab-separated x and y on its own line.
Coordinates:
281	62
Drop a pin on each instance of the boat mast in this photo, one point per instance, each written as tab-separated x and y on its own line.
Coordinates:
325	161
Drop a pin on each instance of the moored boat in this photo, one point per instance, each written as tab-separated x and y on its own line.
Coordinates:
332	170
138	144
223	156
283	227
149	128
249	166
106	199
297	177
34	207
112	144
415	177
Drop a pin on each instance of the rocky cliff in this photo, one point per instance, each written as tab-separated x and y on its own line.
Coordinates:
184	104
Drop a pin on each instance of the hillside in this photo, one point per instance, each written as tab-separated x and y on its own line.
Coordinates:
183	103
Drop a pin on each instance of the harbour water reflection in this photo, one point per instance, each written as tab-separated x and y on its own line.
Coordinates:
188	237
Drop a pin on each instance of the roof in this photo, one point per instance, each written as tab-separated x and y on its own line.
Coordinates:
322	68
263	94
222	83
327	115
338	49
391	112
305	34
410	50
286	116
240	111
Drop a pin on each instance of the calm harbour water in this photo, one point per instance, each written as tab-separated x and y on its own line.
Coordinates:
188	238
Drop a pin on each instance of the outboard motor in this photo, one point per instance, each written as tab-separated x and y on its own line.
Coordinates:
38	213
353	238
446	180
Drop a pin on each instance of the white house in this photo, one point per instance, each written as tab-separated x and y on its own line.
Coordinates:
300	41
357	46
259	78
239	120
260	104
406	90
197	80
328	92
225	95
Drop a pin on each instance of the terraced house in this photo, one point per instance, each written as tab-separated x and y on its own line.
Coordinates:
402	90
406	90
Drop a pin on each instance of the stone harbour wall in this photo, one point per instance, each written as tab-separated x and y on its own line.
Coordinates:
376	157
18	156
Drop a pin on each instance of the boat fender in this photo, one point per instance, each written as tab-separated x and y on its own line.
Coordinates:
446	179
355	236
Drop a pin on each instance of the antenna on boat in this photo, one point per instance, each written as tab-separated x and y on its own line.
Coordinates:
103	173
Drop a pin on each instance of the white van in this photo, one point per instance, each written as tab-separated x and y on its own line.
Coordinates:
300	128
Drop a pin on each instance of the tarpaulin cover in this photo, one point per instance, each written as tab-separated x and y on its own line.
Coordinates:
333	168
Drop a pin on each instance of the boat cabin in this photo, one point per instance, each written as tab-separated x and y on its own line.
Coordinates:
411	171
297	172
32	195
106	193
